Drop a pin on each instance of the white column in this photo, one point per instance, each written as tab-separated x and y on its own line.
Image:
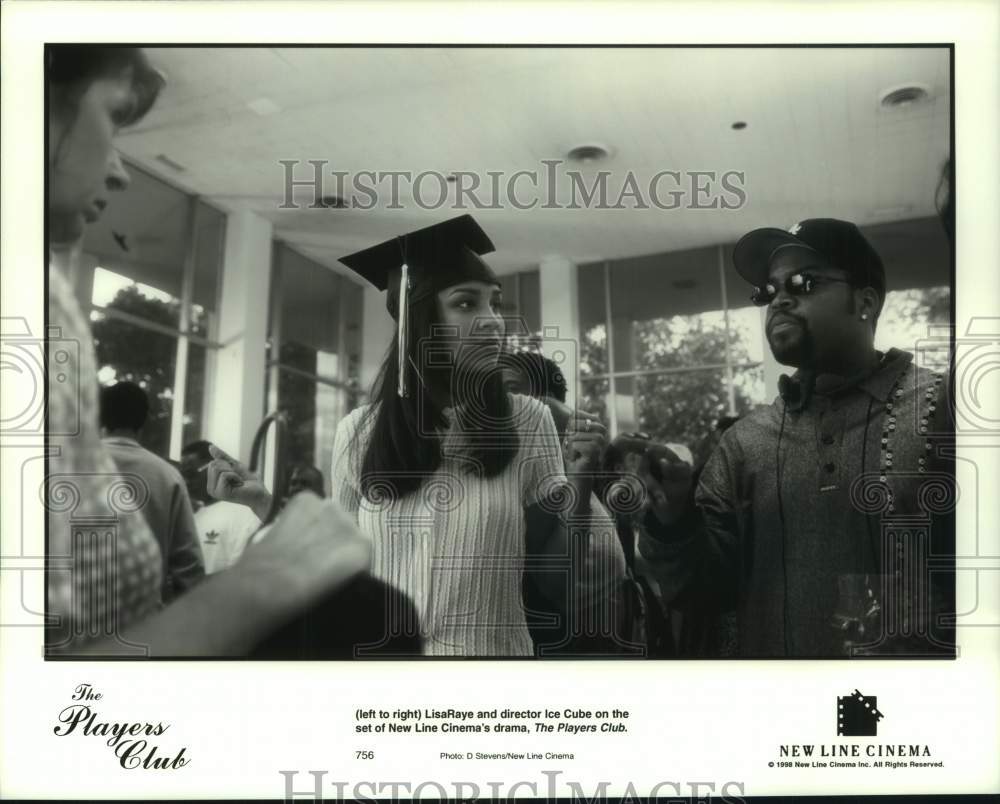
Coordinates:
561	318
378	331
237	403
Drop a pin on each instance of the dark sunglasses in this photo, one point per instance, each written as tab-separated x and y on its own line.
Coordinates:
798	284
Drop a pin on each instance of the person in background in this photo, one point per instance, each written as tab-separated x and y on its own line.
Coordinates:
314	548
224	528
166	508
792	522
306	478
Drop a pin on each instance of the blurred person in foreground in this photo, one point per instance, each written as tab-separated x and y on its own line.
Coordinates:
314	548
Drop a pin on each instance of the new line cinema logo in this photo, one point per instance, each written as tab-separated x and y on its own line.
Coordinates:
858	715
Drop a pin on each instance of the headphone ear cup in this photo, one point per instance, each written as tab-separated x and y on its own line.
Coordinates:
785	385
795	391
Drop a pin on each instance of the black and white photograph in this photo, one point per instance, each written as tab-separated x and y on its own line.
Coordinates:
534	389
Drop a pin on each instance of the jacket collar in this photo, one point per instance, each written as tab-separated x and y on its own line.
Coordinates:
797	390
879	384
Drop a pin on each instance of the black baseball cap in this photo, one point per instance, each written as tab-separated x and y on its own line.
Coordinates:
839	242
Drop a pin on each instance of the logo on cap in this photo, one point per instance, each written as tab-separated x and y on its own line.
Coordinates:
795	229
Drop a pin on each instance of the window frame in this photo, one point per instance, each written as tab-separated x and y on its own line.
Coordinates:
182	334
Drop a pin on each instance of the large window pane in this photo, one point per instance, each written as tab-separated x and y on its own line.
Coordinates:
594	351
128	352
313	409
141	250
907	316
746	328
353	308
594	398
530	299
144	234
509	308
309	315
593	315
521	304
194	395
677	408
317	326
666	311
209	245
749	389
116	291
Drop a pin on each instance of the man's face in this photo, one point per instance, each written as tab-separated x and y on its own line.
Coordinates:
809	329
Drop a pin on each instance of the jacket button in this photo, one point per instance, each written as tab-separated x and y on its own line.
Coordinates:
830	468
827	439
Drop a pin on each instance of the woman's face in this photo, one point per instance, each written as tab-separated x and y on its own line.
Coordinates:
83	164
473	309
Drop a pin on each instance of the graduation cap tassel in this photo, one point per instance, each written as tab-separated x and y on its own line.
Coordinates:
403	387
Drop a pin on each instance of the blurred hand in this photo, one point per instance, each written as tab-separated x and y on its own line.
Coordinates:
583	452
667	497
230	480
562	414
313	548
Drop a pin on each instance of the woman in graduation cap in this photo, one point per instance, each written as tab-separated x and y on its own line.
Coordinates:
448	473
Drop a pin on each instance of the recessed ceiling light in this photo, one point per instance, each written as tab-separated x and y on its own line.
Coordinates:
588	153
739	125
903	96
263	106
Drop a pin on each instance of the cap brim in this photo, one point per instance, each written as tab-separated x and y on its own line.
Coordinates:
753	252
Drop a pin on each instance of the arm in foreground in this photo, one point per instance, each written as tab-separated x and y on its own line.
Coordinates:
314	549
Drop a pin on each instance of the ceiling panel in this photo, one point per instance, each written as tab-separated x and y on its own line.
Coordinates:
817	142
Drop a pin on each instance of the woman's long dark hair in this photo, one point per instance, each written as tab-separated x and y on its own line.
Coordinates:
403	446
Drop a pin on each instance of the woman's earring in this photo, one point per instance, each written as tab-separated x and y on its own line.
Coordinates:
864	316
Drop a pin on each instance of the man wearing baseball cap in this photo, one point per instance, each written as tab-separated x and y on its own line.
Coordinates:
826	518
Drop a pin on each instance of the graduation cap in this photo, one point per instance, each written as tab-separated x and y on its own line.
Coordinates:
416	265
